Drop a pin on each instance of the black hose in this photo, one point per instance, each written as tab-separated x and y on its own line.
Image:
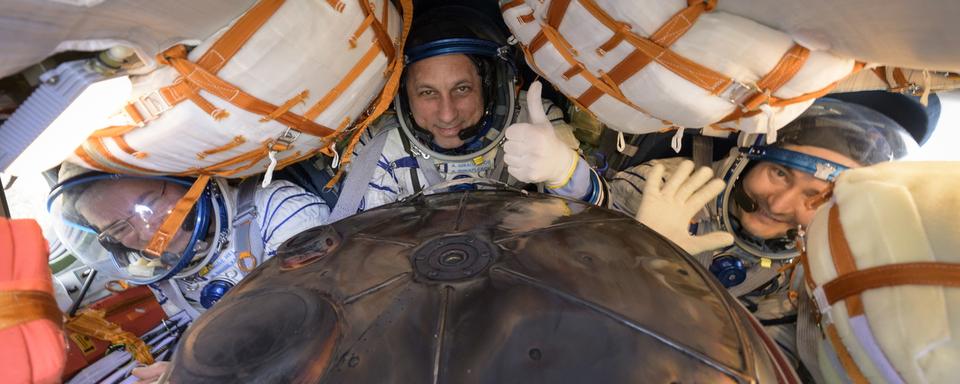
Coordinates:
83	292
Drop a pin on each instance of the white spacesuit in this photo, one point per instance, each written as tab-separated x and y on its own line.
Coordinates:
106	220
402	154
756	269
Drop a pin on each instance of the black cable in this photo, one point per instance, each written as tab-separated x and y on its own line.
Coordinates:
4	208
789	319
83	292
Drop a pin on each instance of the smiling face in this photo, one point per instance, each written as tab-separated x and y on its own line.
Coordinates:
781	194
445	96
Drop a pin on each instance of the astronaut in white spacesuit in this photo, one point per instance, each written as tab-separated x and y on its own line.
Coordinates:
457	116
108	219
746	236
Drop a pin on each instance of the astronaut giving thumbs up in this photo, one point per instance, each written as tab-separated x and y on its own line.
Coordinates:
534	153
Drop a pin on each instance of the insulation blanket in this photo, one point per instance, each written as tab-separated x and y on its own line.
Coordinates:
895	213
629	62
319	61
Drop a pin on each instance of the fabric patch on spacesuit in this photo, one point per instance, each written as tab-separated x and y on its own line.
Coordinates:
468	167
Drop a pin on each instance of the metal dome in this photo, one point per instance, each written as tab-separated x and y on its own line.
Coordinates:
479	287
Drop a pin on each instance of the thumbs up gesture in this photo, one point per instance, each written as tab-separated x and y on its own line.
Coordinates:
533	153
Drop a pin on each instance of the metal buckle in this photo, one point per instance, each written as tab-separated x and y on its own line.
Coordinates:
286	138
151	105
738	93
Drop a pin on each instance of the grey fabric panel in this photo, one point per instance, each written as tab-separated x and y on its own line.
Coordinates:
906	33
31	30
361	170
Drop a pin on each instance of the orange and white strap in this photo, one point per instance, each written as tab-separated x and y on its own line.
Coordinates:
749	97
851	282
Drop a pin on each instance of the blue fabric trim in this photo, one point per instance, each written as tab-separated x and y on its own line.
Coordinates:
263	222
265	241
580	183
594	194
634	174
274	210
630	183
451	46
820	168
406	162
381	188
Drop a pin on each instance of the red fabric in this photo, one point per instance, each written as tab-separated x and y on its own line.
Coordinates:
135	310
32	352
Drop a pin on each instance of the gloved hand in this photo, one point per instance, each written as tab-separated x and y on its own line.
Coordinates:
150	373
668	208
533	153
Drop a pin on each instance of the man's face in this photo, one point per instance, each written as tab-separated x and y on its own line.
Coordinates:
131	210
446	97
781	194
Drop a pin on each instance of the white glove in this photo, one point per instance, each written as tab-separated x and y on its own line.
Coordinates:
670	208
533	153
151	373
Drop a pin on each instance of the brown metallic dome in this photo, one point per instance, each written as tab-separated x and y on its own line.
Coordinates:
479	287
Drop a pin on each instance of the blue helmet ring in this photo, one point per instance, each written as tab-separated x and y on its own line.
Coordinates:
109	254
822	169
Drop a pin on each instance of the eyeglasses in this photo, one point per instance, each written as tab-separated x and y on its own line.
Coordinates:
124	228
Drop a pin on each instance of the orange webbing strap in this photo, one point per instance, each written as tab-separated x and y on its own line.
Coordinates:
899	78
666	35
112	164
703	77
286	106
853	284
850	283
90	162
829	329
881	72
563	47
171	224
849	366
211	62
363	26
790	63
194	75
236	142
326	149
343	84
383	37
234	38
386	96
385	17
214	59
92	323
20	307
843	260
127	148
555	13
778	102
220	169
115	130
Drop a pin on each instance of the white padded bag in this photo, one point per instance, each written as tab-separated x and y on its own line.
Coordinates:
646	65
302	73
894	316
920	34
